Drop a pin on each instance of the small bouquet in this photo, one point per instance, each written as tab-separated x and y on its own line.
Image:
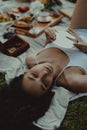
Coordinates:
48	4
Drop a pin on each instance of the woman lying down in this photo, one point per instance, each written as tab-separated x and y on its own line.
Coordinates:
28	96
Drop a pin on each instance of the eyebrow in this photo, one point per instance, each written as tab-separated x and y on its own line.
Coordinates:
31	78
42	86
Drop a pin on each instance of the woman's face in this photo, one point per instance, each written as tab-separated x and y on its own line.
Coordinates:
38	79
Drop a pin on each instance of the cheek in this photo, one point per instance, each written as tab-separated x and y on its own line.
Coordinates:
25	83
49	81
50	78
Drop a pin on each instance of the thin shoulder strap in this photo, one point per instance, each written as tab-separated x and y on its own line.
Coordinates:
60	74
36	60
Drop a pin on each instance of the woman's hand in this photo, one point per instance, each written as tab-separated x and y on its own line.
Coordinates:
77	37
79	42
50	35
81	46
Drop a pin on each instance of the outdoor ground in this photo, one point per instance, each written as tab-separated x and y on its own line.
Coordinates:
76	116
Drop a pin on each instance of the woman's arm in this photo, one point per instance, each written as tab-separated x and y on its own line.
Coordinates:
50	36
79	18
74	79
80	83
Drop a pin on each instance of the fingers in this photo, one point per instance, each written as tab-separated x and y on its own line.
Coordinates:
81	47
73	33
50	33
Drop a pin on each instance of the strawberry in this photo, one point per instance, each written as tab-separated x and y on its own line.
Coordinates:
26	8
23	8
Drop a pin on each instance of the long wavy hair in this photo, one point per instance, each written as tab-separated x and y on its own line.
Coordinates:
18	109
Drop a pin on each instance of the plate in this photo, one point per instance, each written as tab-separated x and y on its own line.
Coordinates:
45	19
35	30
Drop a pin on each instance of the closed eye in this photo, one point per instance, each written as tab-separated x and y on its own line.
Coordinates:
31	78
42	85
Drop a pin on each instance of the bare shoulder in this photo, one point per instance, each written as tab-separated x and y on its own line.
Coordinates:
30	60
71	78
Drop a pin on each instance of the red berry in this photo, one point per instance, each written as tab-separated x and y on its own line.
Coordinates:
19	7
23	8
26	8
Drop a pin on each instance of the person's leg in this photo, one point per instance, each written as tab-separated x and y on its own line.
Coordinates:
79	18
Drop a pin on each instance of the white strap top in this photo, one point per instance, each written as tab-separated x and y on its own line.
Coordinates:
36	60
76	58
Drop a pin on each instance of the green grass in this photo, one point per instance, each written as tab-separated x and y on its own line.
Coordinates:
76	116
2	79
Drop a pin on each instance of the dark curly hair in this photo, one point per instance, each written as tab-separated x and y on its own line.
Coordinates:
18	109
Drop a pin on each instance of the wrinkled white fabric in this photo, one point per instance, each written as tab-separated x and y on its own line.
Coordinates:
11	66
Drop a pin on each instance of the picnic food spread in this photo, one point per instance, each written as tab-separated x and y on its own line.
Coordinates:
5	17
